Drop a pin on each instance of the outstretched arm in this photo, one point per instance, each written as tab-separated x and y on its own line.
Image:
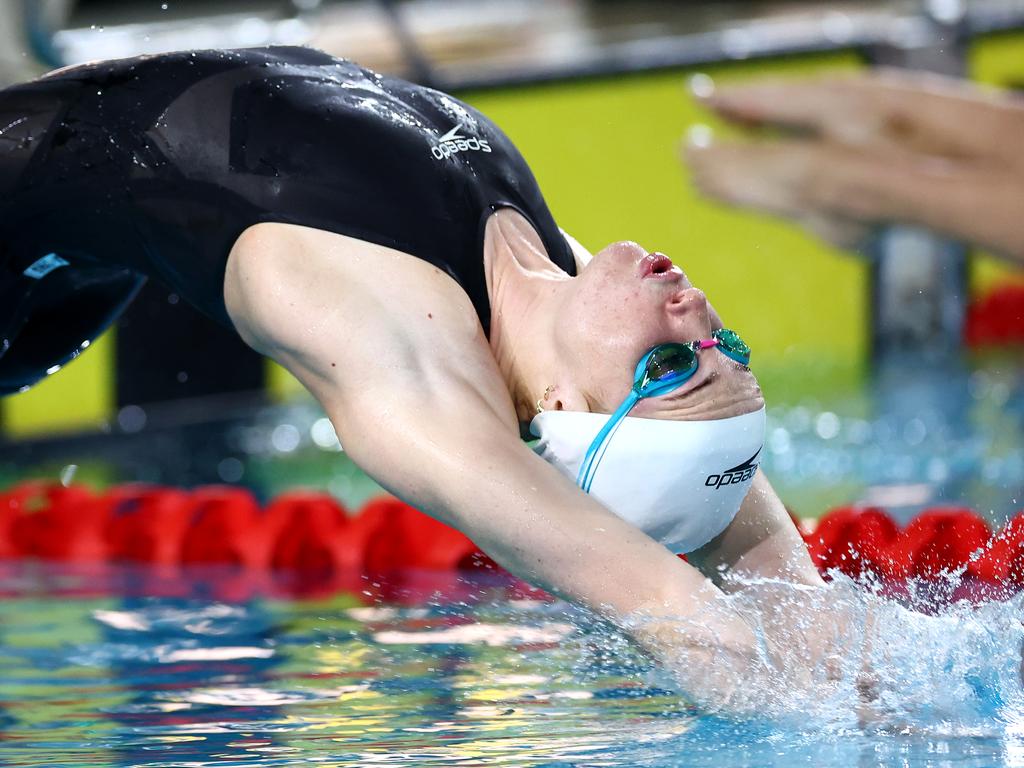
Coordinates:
446	453
418	402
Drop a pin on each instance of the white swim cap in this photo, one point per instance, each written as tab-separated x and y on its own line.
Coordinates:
681	482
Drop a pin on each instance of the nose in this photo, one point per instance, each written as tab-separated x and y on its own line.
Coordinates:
690	313
686	300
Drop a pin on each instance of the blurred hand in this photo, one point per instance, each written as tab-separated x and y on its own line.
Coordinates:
777	649
819	641
853	151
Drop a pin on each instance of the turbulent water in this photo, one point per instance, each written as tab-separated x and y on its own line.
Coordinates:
847	658
93	673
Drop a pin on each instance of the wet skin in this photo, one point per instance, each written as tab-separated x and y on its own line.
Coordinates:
392	349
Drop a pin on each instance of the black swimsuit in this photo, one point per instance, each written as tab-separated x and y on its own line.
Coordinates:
153	166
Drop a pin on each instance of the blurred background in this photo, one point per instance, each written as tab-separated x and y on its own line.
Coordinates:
597	95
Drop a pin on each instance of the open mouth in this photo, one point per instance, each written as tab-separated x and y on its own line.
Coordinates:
659	266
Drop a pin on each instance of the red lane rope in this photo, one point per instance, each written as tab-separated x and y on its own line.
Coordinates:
997	318
865	540
313	534
224	525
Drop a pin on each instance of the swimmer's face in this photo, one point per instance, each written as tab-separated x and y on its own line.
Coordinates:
627	300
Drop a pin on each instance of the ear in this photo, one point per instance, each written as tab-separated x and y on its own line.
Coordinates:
561	397
566	396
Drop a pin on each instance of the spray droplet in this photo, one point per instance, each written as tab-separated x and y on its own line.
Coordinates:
68	474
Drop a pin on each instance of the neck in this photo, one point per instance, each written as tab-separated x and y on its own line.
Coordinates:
524	289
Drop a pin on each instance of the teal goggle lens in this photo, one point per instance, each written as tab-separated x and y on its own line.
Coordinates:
663	369
732	346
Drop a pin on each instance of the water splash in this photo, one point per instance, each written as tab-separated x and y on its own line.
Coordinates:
847	659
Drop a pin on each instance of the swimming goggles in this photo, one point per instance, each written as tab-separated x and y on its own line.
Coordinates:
661	370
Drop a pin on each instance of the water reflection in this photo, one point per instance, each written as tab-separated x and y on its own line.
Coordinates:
185	680
173	656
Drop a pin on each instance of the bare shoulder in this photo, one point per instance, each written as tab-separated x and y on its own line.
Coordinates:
276	269
349	317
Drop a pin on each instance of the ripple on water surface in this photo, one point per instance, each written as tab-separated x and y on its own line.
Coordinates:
115	680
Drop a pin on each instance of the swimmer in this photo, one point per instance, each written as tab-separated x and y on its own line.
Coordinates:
389	246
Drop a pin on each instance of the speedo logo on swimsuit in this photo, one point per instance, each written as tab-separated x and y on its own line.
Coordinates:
737	474
452	142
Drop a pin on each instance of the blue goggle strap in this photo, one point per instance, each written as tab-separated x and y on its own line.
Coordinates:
588	467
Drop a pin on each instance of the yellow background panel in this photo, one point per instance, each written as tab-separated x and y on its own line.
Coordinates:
79	396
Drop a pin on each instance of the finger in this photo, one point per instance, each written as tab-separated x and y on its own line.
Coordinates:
886	109
794	104
801	178
919	85
824	102
765	176
835	193
854	109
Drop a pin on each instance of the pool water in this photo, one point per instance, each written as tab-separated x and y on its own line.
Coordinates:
460	672
919	433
